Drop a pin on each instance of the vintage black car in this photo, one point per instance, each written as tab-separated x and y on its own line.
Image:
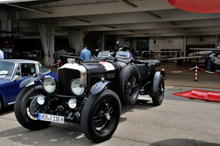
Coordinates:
89	93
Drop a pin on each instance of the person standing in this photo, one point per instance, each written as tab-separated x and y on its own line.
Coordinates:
1	54
116	46
128	50
85	54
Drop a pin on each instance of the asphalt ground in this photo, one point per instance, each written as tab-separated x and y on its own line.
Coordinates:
178	121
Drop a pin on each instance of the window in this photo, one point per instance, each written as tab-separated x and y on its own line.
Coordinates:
27	69
6	69
44	69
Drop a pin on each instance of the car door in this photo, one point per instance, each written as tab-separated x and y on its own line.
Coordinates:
7	71
24	70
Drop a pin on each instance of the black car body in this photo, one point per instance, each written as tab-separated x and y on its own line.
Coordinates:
90	93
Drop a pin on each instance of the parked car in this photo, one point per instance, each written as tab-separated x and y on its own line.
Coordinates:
13	72
90	93
61	52
35	54
60	56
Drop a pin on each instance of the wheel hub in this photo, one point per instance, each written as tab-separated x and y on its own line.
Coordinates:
107	116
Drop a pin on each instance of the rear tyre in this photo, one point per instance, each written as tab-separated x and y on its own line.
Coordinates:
158	94
100	116
129	84
26	106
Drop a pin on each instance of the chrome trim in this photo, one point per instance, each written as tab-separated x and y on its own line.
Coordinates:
11	103
79	79
80	68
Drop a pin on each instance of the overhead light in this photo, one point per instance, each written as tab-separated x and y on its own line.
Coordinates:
110	26
130	4
155	15
26	8
78	19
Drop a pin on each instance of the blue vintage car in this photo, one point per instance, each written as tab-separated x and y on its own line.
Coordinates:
13	72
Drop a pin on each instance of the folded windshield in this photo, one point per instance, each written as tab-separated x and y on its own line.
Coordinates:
104	54
122	54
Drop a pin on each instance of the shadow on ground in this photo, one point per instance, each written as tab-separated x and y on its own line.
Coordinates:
59	134
183	142
55	134
141	104
7	110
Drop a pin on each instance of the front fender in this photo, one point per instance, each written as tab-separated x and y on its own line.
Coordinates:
100	86
29	80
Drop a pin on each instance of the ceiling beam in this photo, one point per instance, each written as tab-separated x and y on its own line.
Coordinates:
129	3
154	15
131	31
172	22
203	30
86	10
136	17
78	19
29	9
173	34
156	25
110	26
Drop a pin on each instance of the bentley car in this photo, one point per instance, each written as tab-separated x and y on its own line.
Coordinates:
13	72
90	93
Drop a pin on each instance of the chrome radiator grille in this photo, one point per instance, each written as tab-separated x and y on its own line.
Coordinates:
64	78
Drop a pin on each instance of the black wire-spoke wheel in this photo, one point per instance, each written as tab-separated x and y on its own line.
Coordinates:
158	94
129	84
26	108
132	86
33	108
104	117
161	91
100	116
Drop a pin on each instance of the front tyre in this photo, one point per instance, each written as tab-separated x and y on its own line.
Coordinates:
100	116
26	106
158	91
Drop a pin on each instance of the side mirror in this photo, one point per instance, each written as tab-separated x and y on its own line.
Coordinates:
16	77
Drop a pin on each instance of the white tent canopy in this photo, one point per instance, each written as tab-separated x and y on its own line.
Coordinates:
76	40
47	40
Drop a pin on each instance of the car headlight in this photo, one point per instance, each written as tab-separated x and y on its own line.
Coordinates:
72	103
77	86
49	85
41	100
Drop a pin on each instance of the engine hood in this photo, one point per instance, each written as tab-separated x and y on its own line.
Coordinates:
99	67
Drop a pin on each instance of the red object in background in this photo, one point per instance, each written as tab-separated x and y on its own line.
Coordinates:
200	94
197	6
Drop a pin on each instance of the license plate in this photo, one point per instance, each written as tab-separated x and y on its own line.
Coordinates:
51	118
